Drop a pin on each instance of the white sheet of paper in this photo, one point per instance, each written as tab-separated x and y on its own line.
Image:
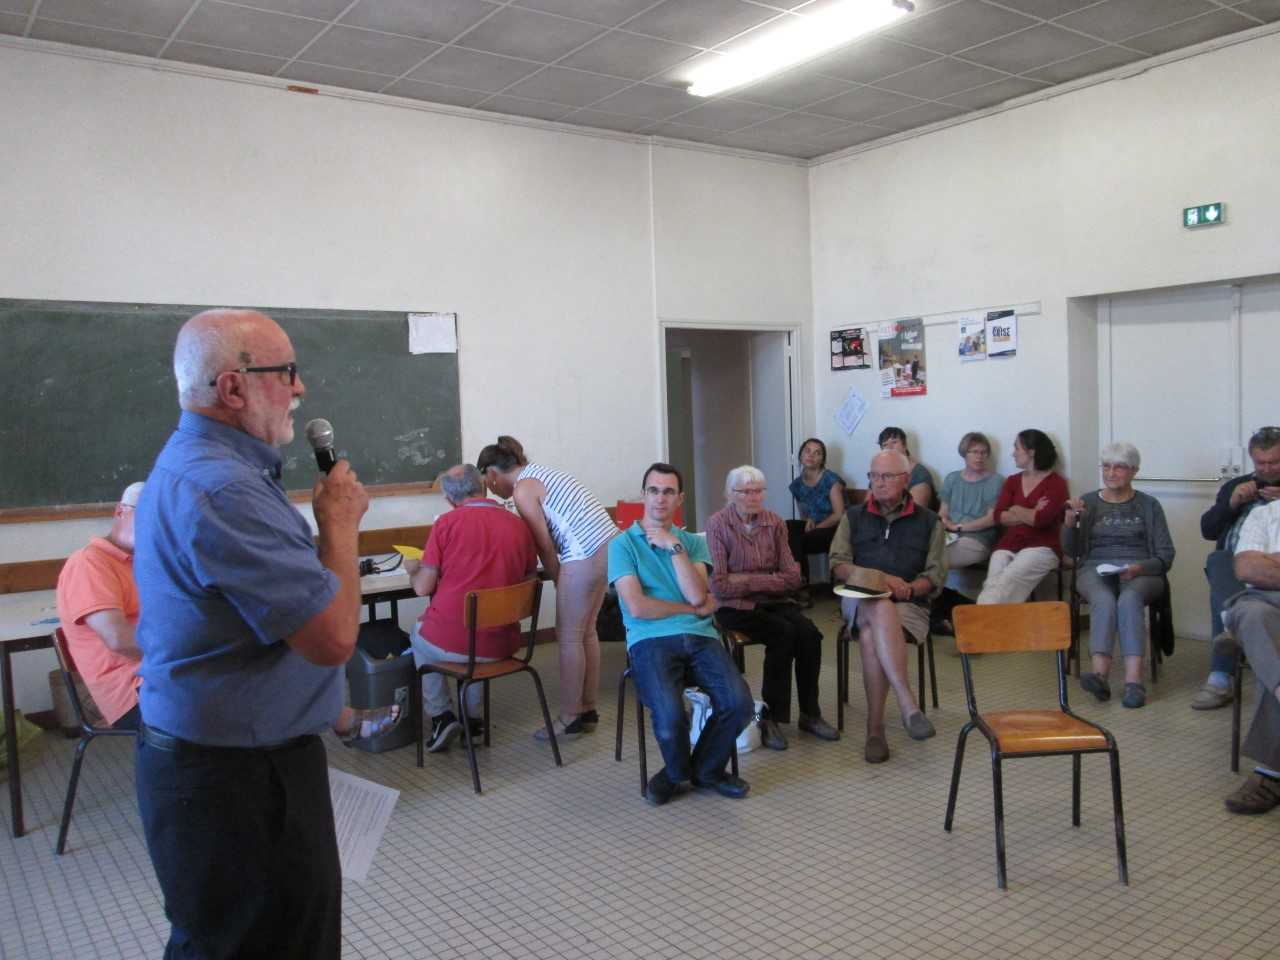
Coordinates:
433	333
1107	569
361	810
850	413
886	382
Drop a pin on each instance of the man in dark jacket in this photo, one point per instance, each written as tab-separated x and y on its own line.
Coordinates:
1221	523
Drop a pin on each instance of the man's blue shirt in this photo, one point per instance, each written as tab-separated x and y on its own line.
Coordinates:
632	555
226	568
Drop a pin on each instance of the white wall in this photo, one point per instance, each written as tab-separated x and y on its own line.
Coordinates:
1070	197
124	182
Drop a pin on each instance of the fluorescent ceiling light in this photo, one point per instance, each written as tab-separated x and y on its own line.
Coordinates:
801	39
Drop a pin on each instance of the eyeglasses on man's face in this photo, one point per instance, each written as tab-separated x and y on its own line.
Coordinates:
885	477
290	368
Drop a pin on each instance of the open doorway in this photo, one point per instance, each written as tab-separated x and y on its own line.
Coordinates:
729	402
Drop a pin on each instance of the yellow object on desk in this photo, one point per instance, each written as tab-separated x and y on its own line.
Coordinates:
409	553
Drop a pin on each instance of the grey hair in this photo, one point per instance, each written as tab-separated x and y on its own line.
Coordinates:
1125	453
462	483
198	357
904	462
743	474
131	494
1265	438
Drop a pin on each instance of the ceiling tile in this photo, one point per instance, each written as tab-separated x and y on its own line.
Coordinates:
628	55
763	143
645	100
524	33
852	136
1047	8
155	17
13	23
804	126
524	108
960	25
439	20
865	103
1120	19
798	88
993	93
1031	49
572	87
22	7
941	78
607	12
870	60
434	93
226	59
920	116
476	71
1190	32
703	23
95	37
222	25
334	76
1095	61
608	121
369	51
679	131
1265	10
727	115
316	9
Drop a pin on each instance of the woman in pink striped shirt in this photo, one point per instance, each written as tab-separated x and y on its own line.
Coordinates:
754	578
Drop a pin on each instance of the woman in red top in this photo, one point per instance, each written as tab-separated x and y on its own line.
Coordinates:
1030	509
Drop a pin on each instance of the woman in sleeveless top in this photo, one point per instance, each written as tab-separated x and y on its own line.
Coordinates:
571	530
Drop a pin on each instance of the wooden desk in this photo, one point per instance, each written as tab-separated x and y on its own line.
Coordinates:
26	622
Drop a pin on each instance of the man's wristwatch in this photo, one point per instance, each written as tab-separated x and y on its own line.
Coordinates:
675	548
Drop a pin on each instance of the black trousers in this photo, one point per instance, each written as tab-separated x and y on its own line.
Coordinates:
788	636
243	845
802	543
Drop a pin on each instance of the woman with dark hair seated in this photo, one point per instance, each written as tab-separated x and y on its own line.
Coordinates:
1122	531
920	484
819	496
754	579
1030	509
967	513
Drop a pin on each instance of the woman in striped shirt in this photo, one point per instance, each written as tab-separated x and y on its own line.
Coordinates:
571	530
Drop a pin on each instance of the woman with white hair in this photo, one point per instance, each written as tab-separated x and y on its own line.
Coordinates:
754	578
1126	550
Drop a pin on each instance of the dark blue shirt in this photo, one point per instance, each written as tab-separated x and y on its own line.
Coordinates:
226	568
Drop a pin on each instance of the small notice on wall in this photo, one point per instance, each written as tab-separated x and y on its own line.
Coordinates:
902	367
1002	334
973	338
849	349
433	333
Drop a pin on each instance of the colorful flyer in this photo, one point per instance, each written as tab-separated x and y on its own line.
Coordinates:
1002	334
902	366
849	349
973	338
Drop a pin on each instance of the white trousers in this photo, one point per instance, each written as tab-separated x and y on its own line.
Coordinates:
1012	576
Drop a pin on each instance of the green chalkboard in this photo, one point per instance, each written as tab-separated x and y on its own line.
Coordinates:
88	397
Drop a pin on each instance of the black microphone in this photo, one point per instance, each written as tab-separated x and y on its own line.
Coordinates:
320	436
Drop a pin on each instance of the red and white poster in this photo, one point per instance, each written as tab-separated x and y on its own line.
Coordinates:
902	366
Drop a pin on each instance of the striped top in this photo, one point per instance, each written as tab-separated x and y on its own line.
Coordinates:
578	522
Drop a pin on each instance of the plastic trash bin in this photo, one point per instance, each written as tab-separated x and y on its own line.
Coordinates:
379	674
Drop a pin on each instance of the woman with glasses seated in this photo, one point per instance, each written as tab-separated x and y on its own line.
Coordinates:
1125	550
967	513
1030	509
754	578
921	482
819	496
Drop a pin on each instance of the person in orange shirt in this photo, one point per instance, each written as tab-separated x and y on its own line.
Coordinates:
98	607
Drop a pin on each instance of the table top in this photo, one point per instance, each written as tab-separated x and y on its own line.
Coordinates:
27	615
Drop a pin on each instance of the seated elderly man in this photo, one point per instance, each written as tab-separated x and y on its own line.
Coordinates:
893	534
660	573
1222	523
98	607
754	577
1253	617
477	545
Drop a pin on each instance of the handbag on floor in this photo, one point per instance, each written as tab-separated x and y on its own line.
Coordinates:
700	712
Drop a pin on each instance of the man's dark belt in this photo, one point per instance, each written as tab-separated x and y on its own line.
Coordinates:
171	744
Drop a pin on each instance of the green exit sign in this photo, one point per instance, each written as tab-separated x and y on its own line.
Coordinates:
1205	215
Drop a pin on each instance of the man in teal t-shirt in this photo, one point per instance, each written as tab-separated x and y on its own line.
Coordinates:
660	573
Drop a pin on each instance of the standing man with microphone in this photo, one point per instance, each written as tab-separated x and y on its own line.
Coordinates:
244	625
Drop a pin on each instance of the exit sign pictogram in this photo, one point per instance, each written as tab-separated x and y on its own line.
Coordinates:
1205	215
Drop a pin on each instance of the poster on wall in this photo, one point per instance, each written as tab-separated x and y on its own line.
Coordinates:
1002	334
849	349
973	338
902	367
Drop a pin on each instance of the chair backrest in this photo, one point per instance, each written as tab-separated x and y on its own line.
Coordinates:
499	606
628	512
68	666
1012	627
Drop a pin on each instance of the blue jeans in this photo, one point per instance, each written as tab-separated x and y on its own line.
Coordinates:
662	667
1223	585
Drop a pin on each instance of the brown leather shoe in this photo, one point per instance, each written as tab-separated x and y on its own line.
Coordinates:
1257	794
876	750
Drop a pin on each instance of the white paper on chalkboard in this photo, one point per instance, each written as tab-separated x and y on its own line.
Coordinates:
433	333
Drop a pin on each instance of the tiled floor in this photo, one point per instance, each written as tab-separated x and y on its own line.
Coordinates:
827	858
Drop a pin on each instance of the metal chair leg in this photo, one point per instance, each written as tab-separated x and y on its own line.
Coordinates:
924	706
1122	857
416	712
933	670
841	679
955	776
71	793
622	709
1075	789
1237	683
487	725
463	686
644	762
997	786
546	715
